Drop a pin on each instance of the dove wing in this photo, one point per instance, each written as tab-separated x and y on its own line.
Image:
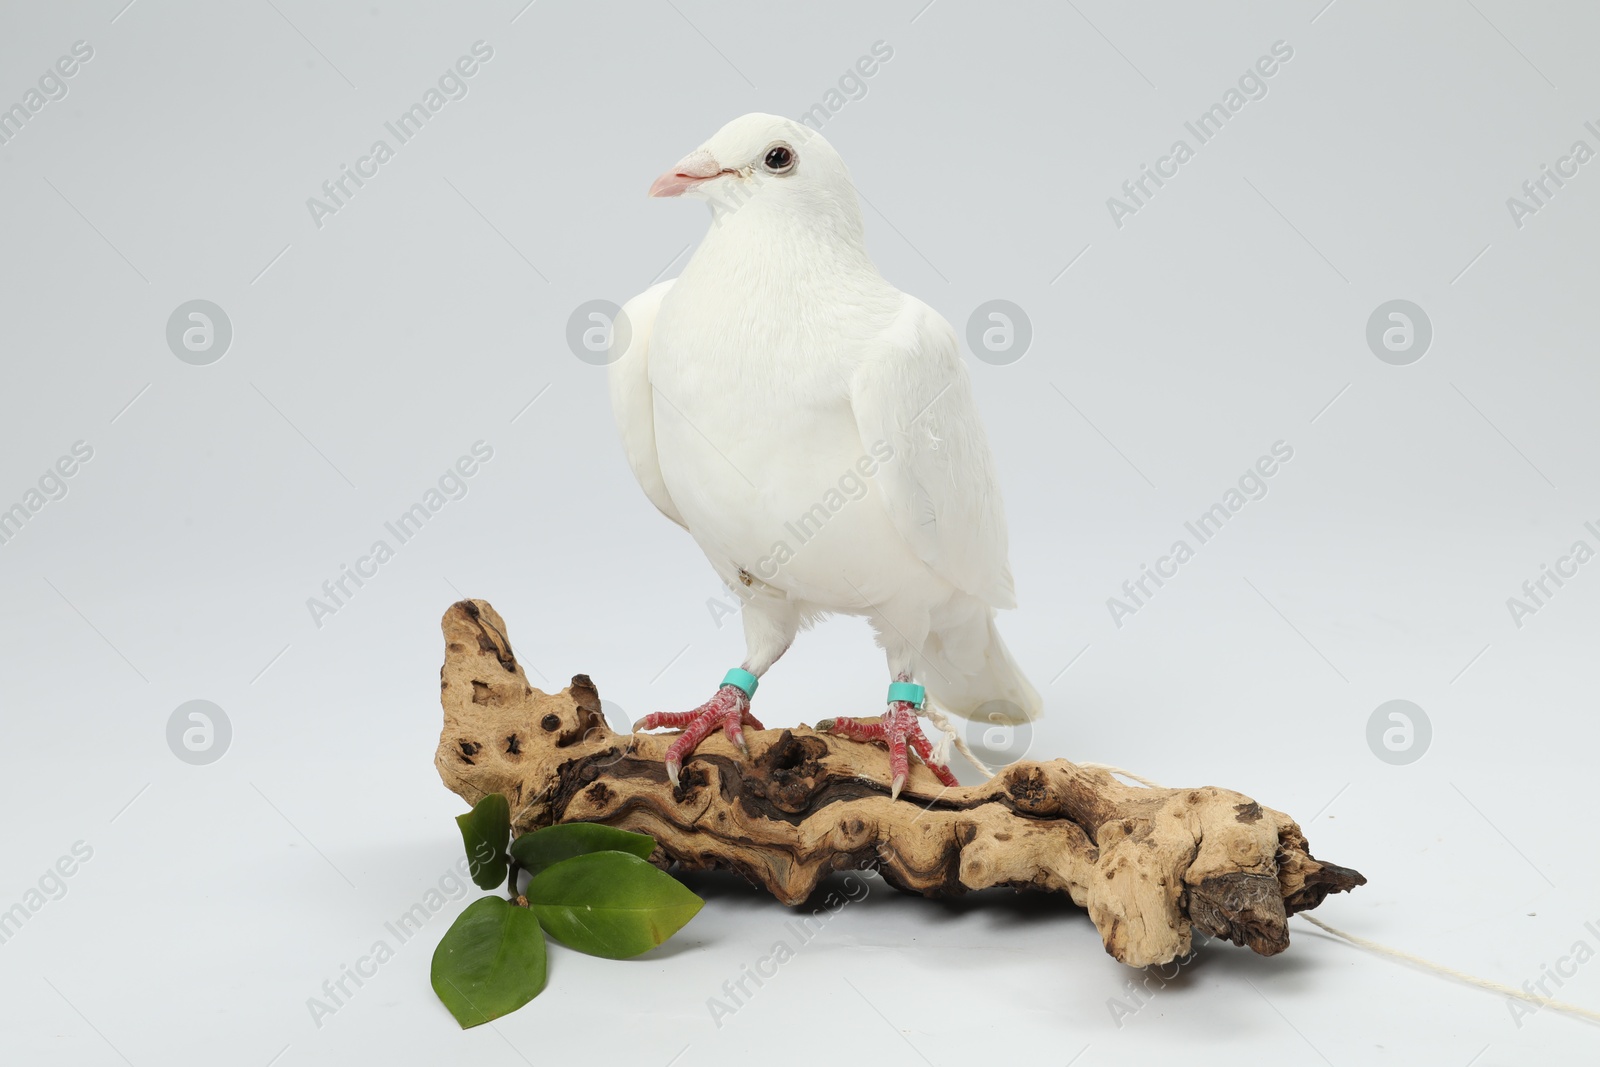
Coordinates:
631	401
911	390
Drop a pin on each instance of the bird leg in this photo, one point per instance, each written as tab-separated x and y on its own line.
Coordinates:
895	728
729	708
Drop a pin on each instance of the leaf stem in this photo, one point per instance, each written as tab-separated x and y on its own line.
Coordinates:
515	872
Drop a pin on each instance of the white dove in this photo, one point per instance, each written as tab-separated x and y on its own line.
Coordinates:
814	430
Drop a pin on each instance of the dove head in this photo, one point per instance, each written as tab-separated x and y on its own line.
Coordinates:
765	160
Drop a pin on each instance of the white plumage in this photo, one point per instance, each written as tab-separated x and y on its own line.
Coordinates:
758	394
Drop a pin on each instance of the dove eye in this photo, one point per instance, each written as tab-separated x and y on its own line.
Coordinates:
779	159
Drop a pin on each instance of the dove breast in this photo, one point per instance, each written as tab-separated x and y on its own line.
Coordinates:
759	447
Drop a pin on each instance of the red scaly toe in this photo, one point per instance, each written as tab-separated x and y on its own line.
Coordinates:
896	727
729	708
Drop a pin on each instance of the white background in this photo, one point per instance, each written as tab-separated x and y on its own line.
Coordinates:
368	354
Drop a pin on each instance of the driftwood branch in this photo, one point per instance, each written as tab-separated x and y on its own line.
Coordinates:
1149	865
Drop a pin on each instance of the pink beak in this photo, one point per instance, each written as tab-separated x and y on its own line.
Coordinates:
692	169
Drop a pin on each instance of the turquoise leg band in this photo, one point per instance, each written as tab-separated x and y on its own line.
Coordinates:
743	680
909	692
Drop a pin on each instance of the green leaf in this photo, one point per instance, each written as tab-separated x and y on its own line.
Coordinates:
490	962
549	846
610	904
484	831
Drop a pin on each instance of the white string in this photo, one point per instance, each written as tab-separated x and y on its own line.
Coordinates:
950	735
1147	783
1451	972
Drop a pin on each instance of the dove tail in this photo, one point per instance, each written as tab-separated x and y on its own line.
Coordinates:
970	673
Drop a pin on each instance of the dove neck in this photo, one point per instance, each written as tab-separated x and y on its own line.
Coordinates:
776	242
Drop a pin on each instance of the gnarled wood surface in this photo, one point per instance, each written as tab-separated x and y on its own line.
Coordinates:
1149	865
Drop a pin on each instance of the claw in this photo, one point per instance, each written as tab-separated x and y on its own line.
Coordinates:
729	708
735	731
673	720
897	729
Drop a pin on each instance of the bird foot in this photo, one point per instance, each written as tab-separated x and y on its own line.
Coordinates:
897	727
729	708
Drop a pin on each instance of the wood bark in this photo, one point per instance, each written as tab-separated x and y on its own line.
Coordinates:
1149	865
